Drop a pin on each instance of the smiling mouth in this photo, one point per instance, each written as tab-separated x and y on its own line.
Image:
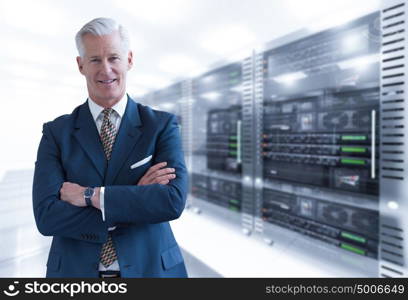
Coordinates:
110	81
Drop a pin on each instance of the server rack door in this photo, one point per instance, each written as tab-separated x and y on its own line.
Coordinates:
216	141
319	140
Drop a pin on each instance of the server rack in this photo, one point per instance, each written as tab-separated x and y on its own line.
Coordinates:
320	112
217	142
393	147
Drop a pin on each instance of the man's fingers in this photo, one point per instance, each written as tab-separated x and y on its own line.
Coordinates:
164	178
163	172
157	175
160	172
156	167
164	182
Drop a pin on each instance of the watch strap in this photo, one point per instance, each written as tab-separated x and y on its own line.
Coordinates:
87	197
88	201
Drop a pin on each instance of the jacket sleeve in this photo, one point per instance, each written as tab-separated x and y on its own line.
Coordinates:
152	203
53	216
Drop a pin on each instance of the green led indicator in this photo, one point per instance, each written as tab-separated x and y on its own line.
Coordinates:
233	201
353	237
233	81
233	145
353	149
353	137
233	137
352	161
233	208
233	153
352	249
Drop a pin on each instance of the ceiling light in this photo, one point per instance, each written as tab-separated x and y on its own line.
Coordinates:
167	105
393	205
211	96
289	78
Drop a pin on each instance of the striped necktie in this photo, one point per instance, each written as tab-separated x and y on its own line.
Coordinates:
108	135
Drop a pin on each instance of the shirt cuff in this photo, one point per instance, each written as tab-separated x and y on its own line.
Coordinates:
102	202
102	205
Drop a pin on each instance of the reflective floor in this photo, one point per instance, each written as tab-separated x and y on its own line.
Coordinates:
23	250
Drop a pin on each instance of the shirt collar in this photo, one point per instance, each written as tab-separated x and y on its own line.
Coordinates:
119	107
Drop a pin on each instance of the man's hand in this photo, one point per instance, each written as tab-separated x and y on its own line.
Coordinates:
73	193
156	174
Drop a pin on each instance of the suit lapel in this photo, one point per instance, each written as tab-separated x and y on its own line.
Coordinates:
87	135
126	139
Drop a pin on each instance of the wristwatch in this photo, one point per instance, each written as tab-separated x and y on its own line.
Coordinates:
88	194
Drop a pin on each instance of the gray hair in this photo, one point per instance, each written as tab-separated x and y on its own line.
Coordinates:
98	27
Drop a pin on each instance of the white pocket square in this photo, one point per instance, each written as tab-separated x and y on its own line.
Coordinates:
141	162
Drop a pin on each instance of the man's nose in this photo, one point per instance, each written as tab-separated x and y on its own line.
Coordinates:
106	67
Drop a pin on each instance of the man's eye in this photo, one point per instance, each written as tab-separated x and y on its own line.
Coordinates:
94	60
114	58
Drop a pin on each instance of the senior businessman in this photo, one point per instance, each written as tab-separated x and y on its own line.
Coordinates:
111	175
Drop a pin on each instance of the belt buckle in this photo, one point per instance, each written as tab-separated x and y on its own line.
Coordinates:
109	274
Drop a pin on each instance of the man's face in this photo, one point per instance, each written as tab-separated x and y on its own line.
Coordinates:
105	64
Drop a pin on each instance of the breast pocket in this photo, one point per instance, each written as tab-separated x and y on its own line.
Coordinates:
138	168
141	162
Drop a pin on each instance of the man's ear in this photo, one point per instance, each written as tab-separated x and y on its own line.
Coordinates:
130	60
80	64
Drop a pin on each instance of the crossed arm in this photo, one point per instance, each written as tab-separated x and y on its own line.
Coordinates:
74	193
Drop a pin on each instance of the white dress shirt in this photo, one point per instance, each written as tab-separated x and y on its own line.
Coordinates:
116	118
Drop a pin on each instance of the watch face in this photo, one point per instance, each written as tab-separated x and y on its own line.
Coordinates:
88	192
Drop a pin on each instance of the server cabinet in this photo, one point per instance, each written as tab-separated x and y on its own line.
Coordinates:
319	137
216	141
393	165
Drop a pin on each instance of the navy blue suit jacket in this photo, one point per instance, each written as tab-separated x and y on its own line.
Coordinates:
71	150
